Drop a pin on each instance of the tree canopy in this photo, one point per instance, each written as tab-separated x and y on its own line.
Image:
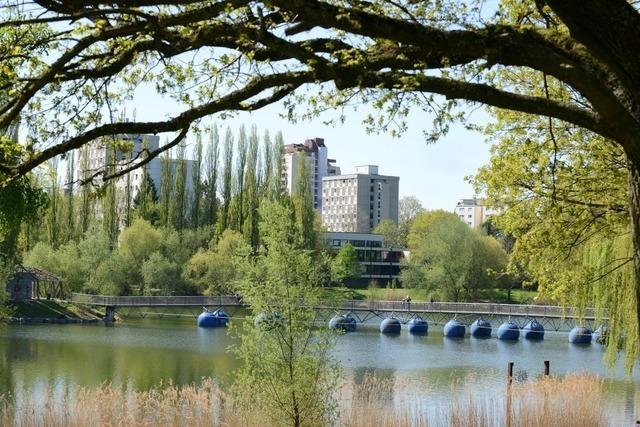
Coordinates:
450	259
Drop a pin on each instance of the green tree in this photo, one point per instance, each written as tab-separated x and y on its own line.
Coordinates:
85	196
242	149
109	202
211	174
392	234
302	199
214	272
112	277
408	208
53	226
345	265
252	191
278	168
178	208
227	176
144	202
162	276
136	244
453	260
288	373
166	190
196	176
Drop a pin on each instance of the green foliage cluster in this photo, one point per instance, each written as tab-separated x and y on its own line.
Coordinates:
345	265
563	193
452	260
396	235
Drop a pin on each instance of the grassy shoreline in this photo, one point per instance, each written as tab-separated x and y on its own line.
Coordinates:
50	311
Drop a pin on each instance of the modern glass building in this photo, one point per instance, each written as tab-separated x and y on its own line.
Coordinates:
377	261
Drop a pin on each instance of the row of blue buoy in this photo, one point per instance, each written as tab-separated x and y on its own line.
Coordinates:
480	328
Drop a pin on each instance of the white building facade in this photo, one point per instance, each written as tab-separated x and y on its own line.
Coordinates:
315	153
473	212
360	201
99	157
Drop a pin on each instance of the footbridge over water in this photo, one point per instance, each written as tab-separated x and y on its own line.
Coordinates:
552	317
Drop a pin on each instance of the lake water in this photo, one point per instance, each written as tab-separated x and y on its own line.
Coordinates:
144	353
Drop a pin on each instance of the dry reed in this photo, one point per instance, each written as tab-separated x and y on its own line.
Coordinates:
573	400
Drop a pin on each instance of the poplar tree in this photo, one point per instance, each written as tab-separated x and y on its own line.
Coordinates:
252	182
267	168
166	189
196	177
52	220
241	165
302	198
84	191
127	194
211	173
178	207
110	220
226	178
69	205
278	165
147	196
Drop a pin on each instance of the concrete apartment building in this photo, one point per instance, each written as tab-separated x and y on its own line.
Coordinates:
473	212
99	156
315	152
358	202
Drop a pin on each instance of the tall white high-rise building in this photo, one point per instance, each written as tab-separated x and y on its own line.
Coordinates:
99	156
360	201
315	153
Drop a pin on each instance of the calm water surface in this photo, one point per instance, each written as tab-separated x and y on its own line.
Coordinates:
145	353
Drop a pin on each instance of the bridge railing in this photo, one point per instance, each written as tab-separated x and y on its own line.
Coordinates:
464	308
351	305
151	301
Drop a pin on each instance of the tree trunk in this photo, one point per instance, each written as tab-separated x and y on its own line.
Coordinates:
634	212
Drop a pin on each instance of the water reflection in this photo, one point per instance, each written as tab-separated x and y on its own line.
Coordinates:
148	352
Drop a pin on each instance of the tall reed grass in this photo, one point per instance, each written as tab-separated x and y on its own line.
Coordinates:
573	400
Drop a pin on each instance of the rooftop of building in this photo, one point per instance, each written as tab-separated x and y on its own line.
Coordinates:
310	145
470	202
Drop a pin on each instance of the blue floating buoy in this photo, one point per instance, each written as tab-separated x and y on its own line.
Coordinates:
212	319
344	323
480	328
223	317
351	323
580	335
390	325
600	335
268	320
418	326
454	329
508	331
533	330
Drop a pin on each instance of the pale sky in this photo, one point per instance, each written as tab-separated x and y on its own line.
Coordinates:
434	173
